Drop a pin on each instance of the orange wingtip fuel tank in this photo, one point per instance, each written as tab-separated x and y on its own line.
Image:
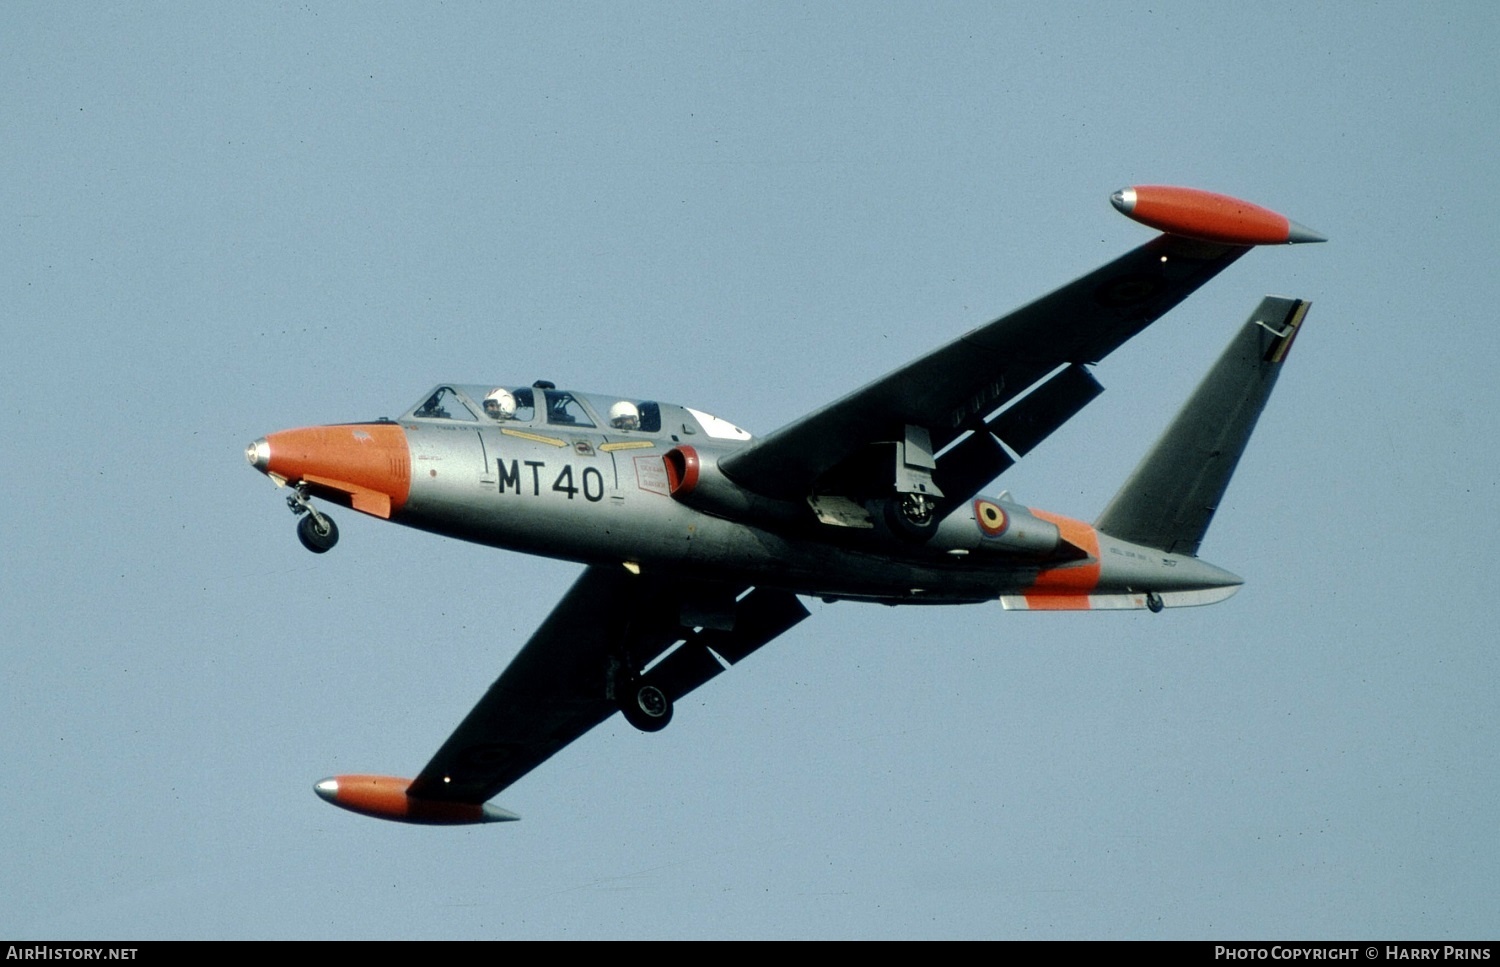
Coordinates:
384	797
1210	217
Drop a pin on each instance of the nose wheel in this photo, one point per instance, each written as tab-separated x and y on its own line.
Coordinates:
315	530
317	534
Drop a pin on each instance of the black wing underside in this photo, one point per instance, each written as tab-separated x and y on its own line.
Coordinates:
953	391
608	626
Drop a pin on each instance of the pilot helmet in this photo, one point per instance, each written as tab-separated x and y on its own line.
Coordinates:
625	416
500	404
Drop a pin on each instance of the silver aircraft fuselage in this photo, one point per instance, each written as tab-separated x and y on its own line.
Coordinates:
585	491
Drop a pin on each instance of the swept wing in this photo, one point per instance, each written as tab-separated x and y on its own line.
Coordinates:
954	389
560	685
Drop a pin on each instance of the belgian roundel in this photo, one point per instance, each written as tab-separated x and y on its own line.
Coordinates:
991	518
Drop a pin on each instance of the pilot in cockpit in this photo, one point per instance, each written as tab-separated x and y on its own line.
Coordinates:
624	415
500	404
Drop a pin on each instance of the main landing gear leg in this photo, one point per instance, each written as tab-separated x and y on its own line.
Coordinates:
316	531
642	703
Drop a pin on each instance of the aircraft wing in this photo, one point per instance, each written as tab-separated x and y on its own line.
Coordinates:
954	389
560	684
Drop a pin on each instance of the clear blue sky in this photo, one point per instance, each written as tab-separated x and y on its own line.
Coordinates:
221	222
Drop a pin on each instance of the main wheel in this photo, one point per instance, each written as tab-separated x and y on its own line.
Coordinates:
317	537
912	517
646	707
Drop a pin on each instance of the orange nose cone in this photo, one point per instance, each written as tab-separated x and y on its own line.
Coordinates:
366	466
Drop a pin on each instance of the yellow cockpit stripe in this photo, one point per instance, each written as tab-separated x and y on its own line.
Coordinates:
534	437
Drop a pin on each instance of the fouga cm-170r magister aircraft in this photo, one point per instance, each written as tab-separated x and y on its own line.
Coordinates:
698	538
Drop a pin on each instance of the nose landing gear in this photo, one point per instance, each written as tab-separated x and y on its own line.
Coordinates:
316	531
317	534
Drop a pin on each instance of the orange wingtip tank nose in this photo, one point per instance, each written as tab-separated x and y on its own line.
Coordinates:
366	466
384	797
1208	216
